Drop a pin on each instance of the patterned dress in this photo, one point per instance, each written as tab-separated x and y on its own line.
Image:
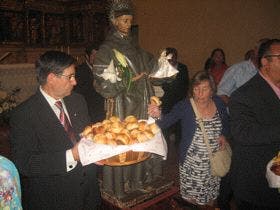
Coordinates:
196	181
10	191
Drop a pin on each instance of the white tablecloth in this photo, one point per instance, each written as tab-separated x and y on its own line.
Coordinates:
91	152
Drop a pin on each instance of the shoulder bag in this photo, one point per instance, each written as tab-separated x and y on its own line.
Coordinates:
219	161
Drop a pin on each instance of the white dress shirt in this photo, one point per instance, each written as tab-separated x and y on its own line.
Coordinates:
70	162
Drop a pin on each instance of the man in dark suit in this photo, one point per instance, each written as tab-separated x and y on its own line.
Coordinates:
175	90
255	125
85	80
44	140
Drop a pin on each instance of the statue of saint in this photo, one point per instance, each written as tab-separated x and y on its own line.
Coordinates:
122	100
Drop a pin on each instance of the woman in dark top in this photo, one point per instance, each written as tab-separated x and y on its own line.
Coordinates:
197	185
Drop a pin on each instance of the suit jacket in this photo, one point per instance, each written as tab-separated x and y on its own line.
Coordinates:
39	145
175	90
183	111
255	127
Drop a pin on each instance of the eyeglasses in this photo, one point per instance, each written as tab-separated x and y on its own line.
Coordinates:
270	56
69	77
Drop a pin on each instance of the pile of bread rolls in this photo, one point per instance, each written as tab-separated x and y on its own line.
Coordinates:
113	131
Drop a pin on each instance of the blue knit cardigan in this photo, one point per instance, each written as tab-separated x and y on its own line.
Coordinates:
183	111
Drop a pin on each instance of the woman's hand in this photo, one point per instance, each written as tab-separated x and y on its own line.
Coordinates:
222	142
154	111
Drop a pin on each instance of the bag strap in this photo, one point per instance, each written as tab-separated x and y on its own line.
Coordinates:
205	136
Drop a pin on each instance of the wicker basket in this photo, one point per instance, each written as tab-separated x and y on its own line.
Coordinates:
126	158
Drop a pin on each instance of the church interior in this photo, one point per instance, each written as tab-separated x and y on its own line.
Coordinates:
28	28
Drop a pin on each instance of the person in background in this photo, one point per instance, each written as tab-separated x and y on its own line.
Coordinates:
174	91
85	80
197	185
45	136
255	126
249	55
234	77
238	74
216	65
10	189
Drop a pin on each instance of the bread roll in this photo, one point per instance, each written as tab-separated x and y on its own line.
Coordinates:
107	124
96	125
98	130
114	119
110	135
89	136
155	101
130	119
154	128
125	131
142	125
131	126
149	134
116	127
111	142
100	139
106	121
86	131
141	137
134	133
122	139
133	141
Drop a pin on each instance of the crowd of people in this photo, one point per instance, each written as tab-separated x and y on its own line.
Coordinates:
239	105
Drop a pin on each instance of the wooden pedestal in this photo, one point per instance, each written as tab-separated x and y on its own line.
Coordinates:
139	199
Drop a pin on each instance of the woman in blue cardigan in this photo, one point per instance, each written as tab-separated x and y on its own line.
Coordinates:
197	185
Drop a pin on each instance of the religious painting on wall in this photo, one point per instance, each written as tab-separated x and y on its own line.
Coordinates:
12	25
34	27
76	28
55	32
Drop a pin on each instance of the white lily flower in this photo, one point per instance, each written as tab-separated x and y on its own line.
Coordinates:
121	58
110	73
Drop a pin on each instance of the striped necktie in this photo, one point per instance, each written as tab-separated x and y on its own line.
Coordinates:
65	122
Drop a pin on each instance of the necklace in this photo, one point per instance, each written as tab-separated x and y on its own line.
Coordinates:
207	110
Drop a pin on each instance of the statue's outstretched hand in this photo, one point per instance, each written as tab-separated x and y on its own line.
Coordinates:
139	76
